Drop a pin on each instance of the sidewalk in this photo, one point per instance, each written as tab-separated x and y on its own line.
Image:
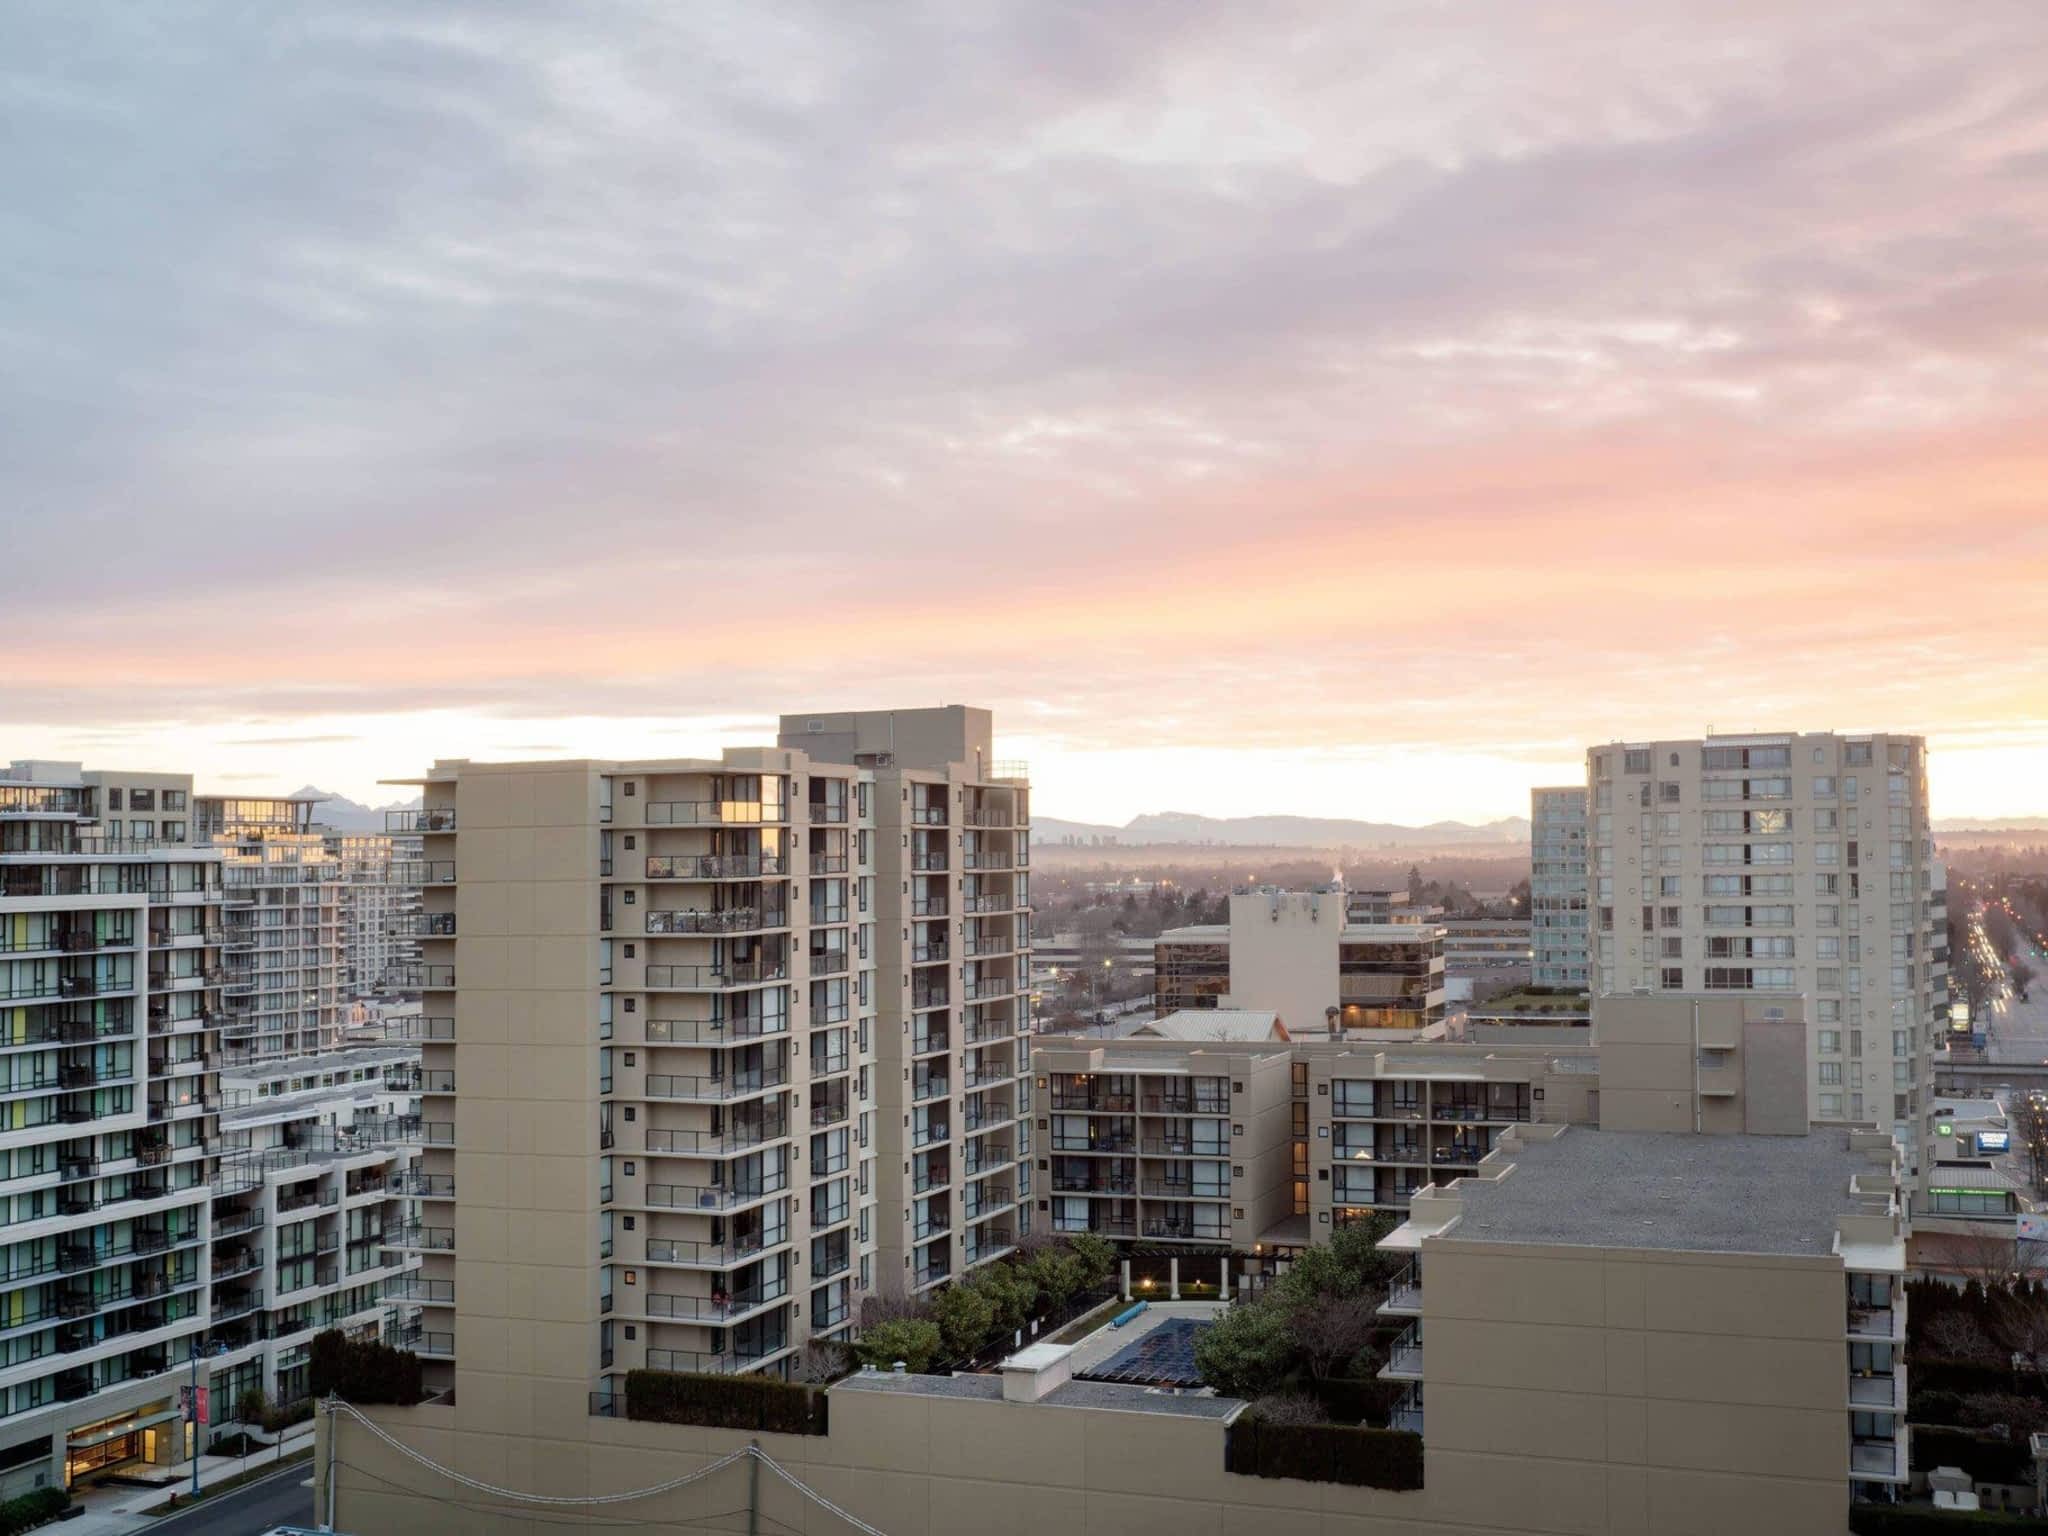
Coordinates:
111	1510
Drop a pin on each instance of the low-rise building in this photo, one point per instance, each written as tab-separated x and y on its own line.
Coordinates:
1300	954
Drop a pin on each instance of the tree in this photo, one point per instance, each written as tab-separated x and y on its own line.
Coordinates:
966	1317
1097	1255
1010	1290
1248	1351
1290	1408
1958	1336
1330	1330
913	1341
253	1406
1058	1274
2022	973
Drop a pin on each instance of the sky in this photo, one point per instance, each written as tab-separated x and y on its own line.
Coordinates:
1342	410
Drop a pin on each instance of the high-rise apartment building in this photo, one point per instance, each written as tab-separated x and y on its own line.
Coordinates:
111	976
284	949
380	906
1792	865
713	1048
1557	887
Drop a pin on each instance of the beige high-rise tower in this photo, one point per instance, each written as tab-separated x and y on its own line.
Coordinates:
1782	864
714	1047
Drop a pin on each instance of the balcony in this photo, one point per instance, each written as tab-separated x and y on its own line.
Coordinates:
1878	1394
830	962
1099	1222
419	823
713	813
1877	1324
711	978
1404	1294
728	920
716	866
738	1138
1185	1229
928	863
729	1363
1875	1459
718	1307
1404	1360
686	1254
698	1089
1407	1411
930	954
826	812
715	1197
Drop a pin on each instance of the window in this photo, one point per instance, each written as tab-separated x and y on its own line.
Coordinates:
1824	788
1831	1074
113	799
141	799
1667	792
1674	948
1669	885
1636	760
174	800
1674	978
631	789
1826	820
1856	754
1828	1042
1830	1104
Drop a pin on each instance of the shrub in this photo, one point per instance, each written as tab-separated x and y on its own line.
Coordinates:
1324	1453
914	1341
1289	1408
1925	1520
750	1402
253	1406
363	1371
32	1509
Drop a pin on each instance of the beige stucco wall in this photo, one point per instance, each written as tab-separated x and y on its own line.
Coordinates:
1702	1392
930	1466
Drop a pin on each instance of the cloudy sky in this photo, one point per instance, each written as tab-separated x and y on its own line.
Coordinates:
1352	409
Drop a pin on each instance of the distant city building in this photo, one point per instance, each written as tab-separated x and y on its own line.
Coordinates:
1557	888
1487	949
380	906
1298	954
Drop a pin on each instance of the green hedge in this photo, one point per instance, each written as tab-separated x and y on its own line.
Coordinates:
726	1402
1987	1458
1324	1453
32	1510
1925	1520
363	1372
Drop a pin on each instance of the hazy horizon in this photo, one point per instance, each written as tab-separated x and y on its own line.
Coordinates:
1280	409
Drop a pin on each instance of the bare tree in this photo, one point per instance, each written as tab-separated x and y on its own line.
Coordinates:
1956	1336
1332	1329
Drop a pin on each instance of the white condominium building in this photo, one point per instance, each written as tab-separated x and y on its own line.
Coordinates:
380	906
1557	887
110	1017
1800	865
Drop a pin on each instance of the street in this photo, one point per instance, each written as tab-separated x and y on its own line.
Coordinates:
283	1498
2015	1032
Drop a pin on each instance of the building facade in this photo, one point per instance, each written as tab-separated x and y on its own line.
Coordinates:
1557	887
711	1049
1787	866
111	980
380	907
1300	954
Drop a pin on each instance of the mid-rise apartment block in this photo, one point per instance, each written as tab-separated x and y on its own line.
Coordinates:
711	1049
1557	887
111	979
1487	950
1301	955
1788	866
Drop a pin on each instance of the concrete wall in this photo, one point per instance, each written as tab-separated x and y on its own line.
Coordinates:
925	1465
1283	954
1682	1393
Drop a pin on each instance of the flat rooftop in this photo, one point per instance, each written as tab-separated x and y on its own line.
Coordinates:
1112	1396
1670	1191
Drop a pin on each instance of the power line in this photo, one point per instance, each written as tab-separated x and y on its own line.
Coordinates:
585	1501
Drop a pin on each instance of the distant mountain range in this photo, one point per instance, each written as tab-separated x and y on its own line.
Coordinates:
346	815
1279	832
1991	823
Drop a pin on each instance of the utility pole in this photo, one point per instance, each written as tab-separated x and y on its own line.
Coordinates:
333	1431
754	1488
